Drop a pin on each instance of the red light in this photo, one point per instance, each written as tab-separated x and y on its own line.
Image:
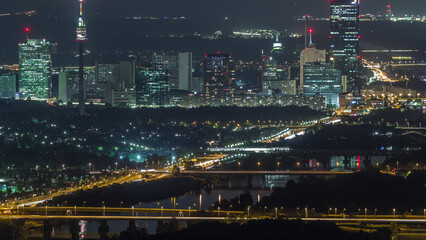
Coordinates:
359	37
389	6
27	29
359	56
311	30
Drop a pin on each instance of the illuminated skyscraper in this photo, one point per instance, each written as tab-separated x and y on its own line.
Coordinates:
152	86
178	66
310	55
344	38
35	68
219	79
269	74
322	79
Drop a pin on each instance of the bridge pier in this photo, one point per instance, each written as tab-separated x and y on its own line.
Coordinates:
47	230
75	230
132	227
249	181
103	230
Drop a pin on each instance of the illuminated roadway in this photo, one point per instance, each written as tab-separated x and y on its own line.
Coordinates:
77	210
267	172
159	218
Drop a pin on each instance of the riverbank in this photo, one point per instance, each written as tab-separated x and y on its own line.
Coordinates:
129	194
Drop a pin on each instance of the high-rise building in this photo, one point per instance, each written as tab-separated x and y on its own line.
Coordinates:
128	73
322	79
268	74
152	86
185	71
117	75
178	67
310	55
69	84
219	79
35	68
7	85
109	75
344	38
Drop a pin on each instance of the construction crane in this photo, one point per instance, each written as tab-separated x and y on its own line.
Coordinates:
29	13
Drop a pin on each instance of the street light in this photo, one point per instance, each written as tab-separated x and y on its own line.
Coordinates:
298	165
394	213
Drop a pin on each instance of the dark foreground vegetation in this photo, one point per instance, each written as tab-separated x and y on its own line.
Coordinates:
131	193
42	111
10	230
262	229
369	189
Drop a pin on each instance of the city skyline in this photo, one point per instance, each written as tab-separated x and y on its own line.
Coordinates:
192	8
272	119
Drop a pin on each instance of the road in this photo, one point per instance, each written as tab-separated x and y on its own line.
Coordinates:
159	218
267	172
78	210
133	176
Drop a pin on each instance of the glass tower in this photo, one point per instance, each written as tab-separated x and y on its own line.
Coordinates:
152	86
344	37
35	68
322	79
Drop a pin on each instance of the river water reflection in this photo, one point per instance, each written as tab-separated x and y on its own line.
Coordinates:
260	186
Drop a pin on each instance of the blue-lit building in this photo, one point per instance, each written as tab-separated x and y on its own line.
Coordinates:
323	79
344	38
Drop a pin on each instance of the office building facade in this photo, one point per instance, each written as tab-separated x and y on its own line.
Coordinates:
7	85
152	86
323	79
345	37
219	79
35	68
178	67
310	55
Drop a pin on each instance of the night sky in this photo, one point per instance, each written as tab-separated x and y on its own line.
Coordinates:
243	9
108	30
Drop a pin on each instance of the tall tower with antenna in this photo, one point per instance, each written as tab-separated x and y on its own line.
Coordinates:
81	39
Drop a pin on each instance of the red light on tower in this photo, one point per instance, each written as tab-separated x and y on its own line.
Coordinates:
389	6
311	30
27	29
